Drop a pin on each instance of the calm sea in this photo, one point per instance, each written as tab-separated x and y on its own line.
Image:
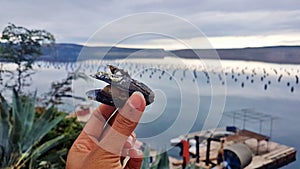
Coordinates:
192	95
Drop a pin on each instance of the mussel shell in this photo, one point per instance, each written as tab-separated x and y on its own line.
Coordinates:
124	83
105	98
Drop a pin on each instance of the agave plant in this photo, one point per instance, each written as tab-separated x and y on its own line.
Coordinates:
20	133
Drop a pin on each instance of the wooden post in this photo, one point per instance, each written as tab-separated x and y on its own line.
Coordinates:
207	152
197	149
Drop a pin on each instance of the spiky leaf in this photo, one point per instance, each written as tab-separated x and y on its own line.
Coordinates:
4	130
44	148
41	127
164	161
23	116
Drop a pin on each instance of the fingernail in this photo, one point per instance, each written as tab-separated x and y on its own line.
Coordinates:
137	100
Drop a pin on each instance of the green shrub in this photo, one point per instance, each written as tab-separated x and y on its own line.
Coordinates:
56	157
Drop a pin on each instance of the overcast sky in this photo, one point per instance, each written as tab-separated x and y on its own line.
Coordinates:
226	23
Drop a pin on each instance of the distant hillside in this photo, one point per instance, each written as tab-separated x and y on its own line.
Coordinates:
70	53
274	54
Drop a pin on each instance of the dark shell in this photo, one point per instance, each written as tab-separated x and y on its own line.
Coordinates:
122	84
104	97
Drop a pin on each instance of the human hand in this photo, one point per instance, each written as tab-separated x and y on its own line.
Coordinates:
90	151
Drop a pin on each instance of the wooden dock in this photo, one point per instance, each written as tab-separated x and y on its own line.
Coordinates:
271	155
265	153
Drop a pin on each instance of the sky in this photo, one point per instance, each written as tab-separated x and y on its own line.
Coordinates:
169	24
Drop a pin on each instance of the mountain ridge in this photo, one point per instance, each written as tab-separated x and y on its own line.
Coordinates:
68	52
272	54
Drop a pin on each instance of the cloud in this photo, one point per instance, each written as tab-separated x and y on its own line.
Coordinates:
255	40
195	6
247	23
214	42
75	21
